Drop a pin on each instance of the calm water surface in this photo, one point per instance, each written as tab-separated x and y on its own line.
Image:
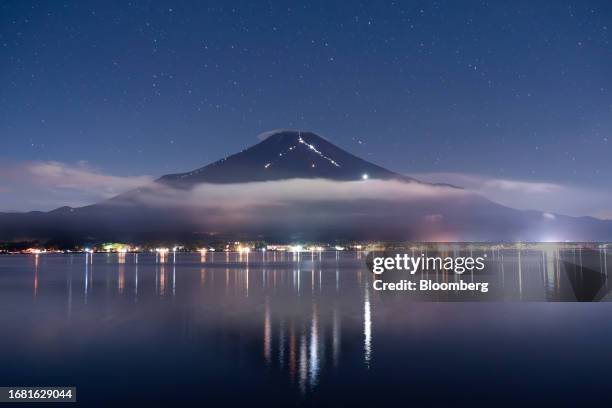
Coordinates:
276	330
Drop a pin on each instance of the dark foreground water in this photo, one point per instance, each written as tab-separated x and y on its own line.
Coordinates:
228	330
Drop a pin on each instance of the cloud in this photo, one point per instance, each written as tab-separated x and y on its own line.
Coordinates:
528	195
320	208
434	217
312	208
82	178
521	186
264	135
45	185
604	214
289	192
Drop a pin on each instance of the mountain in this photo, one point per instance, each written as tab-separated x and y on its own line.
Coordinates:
297	186
285	154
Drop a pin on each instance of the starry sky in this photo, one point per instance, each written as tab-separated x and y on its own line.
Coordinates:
517	90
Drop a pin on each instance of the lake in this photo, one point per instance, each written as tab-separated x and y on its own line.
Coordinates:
301	330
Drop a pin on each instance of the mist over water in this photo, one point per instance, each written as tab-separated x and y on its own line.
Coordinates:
295	329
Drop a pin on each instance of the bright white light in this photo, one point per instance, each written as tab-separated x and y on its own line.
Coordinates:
339	248
296	248
314	149
315	248
365	176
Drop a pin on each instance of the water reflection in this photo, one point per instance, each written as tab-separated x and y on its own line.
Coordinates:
121	278
367	329
309	311
136	279
313	361
267	332
162	280
36	260
336	337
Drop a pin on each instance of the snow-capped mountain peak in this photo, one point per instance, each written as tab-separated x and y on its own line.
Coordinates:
285	154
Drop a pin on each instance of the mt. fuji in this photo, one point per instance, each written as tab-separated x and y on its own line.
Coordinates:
285	154
291	186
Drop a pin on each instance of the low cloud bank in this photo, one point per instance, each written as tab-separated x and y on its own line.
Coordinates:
307	208
527	195
287	192
314	209
45	185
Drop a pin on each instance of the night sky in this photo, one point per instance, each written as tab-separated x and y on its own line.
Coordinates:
517	90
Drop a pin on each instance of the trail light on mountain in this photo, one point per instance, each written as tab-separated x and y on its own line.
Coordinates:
284	155
365	176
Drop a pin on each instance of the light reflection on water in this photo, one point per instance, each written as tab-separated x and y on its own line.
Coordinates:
305	313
